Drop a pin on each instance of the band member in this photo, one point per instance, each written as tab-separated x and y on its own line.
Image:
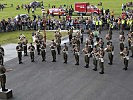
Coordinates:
110	50
100	43
87	56
121	38
53	51
70	32
101	60
31	48
74	41
81	36
109	35
25	41
43	51
95	58
58	36
129	39
78	43
1	55
76	54
132	47
58	43
65	53
21	37
19	51
38	46
125	56
3	70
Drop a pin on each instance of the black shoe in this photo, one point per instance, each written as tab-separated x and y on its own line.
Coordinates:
110	63
20	62
77	64
131	56
86	66
4	89
125	68
101	72
95	69
32	61
65	62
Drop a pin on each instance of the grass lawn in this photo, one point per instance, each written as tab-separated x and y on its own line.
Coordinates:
12	37
12	12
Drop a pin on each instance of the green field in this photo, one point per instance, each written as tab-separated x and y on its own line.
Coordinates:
11	12
12	37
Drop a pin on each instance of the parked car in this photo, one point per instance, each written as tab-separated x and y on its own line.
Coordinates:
35	4
56	11
22	16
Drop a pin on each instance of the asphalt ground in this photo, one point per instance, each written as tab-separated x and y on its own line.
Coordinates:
58	81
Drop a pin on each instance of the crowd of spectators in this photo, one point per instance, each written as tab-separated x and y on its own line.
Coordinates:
105	20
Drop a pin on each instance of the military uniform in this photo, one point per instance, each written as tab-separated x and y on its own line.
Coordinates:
1	55
43	51
132	47
110	50
31	48
19	51
129	40
65	53
58	41
3	78
25	47
58	48
70	35
76	54
78	43
100	43
87	56
95	58
122	38
81	38
101	60
53	51
125	55
38	46
74	41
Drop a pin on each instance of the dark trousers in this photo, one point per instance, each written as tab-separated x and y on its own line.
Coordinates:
38	49
110	57
87	60
32	56
125	62
121	47
25	50
101	64
95	63
1	60
43	53
20	57
53	55
58	49
65	57
3	82
77	58
132	50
